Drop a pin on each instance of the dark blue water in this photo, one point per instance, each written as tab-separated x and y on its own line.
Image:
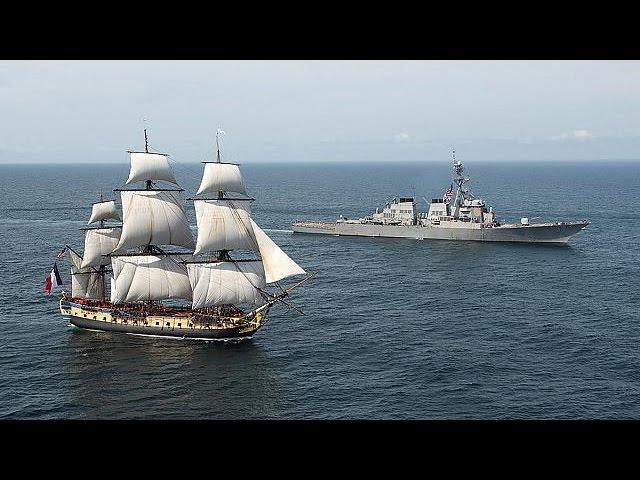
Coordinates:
394	328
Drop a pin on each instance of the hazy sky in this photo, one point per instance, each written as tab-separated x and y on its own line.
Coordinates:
297	111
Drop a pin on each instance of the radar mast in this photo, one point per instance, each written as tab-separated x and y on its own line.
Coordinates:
462	193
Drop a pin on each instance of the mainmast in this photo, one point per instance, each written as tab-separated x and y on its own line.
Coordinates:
148	248
146	150
152	214
222	254
152	217
220	193
218	143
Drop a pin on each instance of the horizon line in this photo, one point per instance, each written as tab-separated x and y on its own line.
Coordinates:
316	162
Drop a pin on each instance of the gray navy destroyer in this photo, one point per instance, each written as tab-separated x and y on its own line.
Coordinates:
464	218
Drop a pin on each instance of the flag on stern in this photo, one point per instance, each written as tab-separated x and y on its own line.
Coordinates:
52	280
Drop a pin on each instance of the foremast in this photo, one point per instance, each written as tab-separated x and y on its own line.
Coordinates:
103	270
88	272
103	238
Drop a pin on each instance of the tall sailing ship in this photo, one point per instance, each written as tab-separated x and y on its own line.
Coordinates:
152	258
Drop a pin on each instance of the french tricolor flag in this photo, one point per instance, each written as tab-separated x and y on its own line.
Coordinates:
52	280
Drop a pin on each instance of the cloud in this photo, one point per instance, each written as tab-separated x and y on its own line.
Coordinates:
574	135
401	137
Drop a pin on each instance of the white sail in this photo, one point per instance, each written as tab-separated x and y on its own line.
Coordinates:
99	242
225	283
76	262
150	166
88	285
224	225
86	282
153	217
277	264
221	177
149	277
112	295
103	211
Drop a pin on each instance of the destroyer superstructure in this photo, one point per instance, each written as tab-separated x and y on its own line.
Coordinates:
464	218
152	258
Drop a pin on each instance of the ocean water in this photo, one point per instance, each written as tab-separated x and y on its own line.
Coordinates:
394	329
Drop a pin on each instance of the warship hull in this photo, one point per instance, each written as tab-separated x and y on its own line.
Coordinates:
163	325
557	233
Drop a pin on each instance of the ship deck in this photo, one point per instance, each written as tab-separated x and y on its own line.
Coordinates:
176	322
549	232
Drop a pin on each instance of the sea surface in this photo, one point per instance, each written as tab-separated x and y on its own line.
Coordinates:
394	328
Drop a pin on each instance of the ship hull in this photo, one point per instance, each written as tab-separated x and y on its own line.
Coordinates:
175	332
558	233
108	320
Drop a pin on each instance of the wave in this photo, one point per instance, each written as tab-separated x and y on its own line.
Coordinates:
276	230
19	221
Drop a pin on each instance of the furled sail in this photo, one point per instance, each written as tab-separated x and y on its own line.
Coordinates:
224	225
103	211
153	217
224	283
99	242
221	177
277	264
149	277
150	166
